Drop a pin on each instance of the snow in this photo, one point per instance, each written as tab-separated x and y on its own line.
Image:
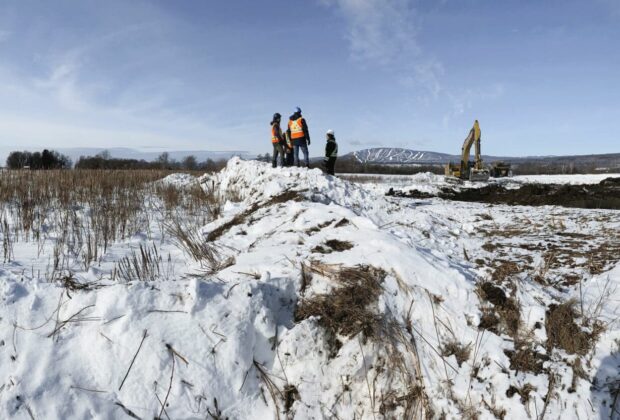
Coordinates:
229	326
399	156
560	179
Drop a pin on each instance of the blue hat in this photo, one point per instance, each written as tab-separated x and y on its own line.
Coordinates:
297	110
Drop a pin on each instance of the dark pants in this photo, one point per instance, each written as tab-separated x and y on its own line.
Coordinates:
330	165
277	150
304	149
289	160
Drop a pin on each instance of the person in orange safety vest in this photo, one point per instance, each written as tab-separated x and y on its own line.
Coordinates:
299	135
277	140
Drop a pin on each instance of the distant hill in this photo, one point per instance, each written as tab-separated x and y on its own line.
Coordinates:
401	156
394	155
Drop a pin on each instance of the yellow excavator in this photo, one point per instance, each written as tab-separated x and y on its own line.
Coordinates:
468	170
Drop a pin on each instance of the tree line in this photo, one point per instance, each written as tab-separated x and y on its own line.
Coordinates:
103	160
51	159
47	159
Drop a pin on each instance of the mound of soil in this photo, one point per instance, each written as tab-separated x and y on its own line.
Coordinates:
409	194
605	195
610	181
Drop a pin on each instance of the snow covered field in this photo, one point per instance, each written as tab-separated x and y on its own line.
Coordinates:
290	294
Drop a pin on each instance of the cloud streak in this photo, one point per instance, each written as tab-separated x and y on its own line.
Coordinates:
384	33
379	31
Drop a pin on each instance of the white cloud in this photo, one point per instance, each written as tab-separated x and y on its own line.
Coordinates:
384	33
379	31
463	100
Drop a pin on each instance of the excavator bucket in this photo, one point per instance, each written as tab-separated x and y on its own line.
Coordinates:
481	175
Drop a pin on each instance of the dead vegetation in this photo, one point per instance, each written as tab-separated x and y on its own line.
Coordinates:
350	308
525	358
192	241
564	332
142	266
523	391
460	351
504	314
332	245
349	311
318	227
75	216
243	216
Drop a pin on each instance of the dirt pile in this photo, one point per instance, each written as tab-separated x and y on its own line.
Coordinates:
605	195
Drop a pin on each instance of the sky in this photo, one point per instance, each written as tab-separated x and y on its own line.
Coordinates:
542	77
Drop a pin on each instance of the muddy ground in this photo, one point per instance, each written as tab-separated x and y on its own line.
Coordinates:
605	195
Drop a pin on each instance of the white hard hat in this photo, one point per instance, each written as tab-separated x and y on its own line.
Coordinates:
330	132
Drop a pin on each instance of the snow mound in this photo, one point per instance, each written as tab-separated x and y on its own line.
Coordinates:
267	336
178	180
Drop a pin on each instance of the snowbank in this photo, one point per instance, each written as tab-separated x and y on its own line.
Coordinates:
232	342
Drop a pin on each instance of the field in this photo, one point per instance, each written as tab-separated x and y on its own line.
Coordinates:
282	293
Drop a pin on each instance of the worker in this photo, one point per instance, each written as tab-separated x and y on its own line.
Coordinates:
331	152
289	160
277	140
300	137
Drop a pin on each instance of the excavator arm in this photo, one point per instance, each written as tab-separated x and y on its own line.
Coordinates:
465	171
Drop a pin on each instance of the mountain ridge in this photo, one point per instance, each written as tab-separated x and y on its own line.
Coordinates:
402	156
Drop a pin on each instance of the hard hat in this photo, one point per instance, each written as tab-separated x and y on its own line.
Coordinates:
330	132
297	110
277	116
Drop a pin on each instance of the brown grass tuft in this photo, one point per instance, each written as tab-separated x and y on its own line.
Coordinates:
350	308
524	358
563	331
524	392
333	245
506	310
460	351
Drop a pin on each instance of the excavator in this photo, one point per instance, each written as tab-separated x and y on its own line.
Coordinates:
468	170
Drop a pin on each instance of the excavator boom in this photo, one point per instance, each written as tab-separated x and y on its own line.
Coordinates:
466	170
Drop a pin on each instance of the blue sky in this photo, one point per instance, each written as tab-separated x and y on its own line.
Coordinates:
541	76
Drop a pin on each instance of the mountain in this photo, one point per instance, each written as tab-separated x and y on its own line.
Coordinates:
401	156
394	155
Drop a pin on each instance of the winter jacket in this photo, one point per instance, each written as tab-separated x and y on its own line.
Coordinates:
301	141
331	148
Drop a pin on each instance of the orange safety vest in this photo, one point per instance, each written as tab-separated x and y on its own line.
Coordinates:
297	128
274	134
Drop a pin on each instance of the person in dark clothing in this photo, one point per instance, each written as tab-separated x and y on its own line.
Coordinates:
299	135
277	140
289	159
331	152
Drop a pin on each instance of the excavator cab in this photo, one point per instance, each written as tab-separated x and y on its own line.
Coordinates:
501	170
470	170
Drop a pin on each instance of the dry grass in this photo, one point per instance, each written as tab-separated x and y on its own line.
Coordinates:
565	333
504	313
349	311
524	357
333	245
75	216
460	351
242	217
140	266
190	239
350	308
523	391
